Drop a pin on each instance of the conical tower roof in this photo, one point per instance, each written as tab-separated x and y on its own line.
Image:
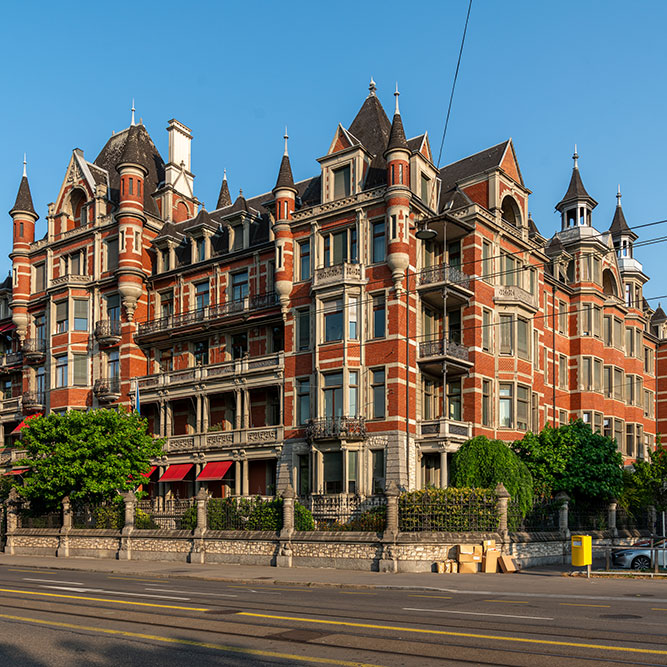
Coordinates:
23	198
285	178
397	134
658	316
132	152
619	226
576	190
224	198
371	125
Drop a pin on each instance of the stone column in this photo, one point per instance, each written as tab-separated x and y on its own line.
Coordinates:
245	482
205	414
63	543
246	410
284	557
13	505
563	511
237	477
389	560
443	469
198	552
239	409
130	501
198	412
611	517
503	502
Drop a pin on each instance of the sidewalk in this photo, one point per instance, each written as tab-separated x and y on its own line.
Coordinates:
259	574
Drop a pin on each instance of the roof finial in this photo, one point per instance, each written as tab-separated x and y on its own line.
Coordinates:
618	196
285	137
372	87
224	174
25	173
396	94
133	110
575	157
240	192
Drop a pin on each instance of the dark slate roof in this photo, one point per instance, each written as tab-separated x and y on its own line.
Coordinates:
147	155
132	150
224	198
169	230
23	198
371	126
576	190
6	284
397	134
619	225
554	247
658	316
456	172
532	227
285	178
99	175
415	143
240	204
456	196
202	219
310	191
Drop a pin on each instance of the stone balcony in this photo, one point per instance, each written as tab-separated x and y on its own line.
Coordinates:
34	350
345	273
108	332
512	295
10	360
72	279
107	390
33	401
447	429
443	274
442	348
249	438
337	428
10	407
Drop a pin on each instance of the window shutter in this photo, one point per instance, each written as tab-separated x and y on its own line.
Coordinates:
80	369
61	311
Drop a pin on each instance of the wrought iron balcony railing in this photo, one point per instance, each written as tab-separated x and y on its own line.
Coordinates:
11	359
350	428
442	347
33	400
33	348
107	389
107	332
444	273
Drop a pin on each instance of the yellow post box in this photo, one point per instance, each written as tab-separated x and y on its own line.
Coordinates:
582	550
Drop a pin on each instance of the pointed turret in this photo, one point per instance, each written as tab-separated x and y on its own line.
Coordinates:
23	201
224	198
397	138
619	226
577	205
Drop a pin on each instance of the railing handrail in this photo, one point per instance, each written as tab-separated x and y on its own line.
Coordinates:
107	385
335	427
34	345
107	328
443	347
444	273
33	396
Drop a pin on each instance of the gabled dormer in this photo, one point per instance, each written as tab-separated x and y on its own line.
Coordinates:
424	176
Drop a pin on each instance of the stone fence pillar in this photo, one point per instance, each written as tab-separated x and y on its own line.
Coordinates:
503	502
198	551
13	507
130	500
563	514
63	543
611	517
389	559
284	557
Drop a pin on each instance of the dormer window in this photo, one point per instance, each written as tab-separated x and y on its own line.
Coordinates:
164	257
342	185
425	188
201	249
237	235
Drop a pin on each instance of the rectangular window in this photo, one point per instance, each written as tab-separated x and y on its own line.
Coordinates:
454	326
562	417
454	401
425	188
607	428
535	412
509	270
619	432
113	364
506	334
302	400
112	254
562	372
80	363
378	467
629	342
201	295
522	338
239	285
80	315
201	250
304	475
333	320
505	405
562	317
333	472
486	402
342	182
533	281
75	264
393	227
608	340
61	317
379	242
597	375
61	371
429	398
522	407
40	282
587	320
237	233
304	260
618	333
352	470
379	316
597	422
164	257
608	381
333	395
303	327
619	379
239	345
353	316
536	349
166	304
378	393
353	394
487	262
639	342
630	439
486	330
586	379
200	353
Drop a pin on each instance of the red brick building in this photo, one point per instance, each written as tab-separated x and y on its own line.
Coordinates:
338	332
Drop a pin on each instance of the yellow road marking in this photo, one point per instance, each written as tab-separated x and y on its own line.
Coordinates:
81	597
435	597
509	601
33	571
355	593
658	609
545	642
189	642
154	581
575	604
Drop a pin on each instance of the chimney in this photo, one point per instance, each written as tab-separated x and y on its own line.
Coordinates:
177	172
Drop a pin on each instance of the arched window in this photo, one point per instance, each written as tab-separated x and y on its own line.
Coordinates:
77	201
510	212
182	212
609	284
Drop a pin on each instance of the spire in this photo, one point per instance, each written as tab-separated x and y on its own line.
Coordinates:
397	134
371	88
576	190
396	95
133	110
285	178
618	197
619	226
285	137
575	157
224	198
23	197
25	173
132	150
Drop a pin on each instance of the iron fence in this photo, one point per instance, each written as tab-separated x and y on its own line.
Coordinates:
634	518
29	519
109	516
450	510
168	514
588	517
541	517
346	512
336	427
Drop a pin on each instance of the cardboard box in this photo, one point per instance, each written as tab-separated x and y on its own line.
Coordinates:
488	544
441	567
506	564
468	568
470	558
466	548
478	549
490	562
453	567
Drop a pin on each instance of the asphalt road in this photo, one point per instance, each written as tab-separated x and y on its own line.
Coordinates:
56	617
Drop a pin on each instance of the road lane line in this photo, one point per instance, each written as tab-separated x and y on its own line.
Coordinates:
435	597
107	592
169	590
9	569
189	642
478	613
81	597
356	593
509	601
154	581
576	604
54	581
449	633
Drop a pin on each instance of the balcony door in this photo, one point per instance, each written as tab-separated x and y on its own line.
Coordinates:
333	395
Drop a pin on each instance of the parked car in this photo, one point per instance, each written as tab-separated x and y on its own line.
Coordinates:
638	556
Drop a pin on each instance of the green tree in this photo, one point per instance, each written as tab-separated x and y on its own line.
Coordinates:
646	484
571	458
88	456
482	463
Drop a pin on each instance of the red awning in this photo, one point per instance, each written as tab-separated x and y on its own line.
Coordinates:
176	472
214	471
9	326
16	471
25	423
150	472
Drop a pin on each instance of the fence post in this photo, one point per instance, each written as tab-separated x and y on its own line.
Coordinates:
284	557
130	501
563	514
503	501
13	504
63	543
198	552
389	560
652	518
611	517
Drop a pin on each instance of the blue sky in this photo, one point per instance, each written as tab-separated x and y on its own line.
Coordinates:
546	74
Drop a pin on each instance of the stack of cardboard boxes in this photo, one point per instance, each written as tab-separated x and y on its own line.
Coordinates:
473	558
